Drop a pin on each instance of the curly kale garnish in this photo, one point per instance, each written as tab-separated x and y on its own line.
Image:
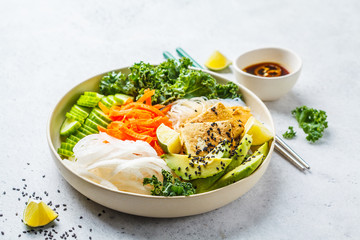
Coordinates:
169	186
290	133
171	80
312	121
113	83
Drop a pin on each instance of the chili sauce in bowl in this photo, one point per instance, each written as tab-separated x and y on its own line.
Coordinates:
266	69
269	72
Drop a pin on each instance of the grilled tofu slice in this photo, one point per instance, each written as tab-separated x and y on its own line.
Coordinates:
241	113
200	138
219	112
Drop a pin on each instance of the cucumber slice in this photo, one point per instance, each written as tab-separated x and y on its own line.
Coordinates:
68	140
65	153
78	113
74	138
75	117
67	146
69	126
76	109
112	100
93	94
87	101
93	131
91	124
98	120
79	135
106	102
121	98
84	131
101	115
82	109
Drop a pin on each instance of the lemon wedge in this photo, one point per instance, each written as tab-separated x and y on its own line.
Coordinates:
38	214
169	139
258	131
217	62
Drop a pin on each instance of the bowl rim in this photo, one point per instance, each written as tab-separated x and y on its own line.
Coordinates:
241	88
295	55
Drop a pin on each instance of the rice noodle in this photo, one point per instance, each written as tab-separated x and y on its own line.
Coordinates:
184	109
116	164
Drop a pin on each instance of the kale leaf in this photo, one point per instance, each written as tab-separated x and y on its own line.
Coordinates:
290	133
113	83
170	79
169	186
312	121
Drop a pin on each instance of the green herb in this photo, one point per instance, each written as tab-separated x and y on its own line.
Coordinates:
290	133
312	121
169	186
171	81
113	83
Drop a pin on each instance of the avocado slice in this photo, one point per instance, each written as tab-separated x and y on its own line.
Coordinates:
189	167
240	152
263	149
222	150
240	172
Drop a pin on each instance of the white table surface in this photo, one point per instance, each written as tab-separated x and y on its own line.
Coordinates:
48	47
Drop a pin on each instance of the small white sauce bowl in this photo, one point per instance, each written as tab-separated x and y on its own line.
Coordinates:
268	88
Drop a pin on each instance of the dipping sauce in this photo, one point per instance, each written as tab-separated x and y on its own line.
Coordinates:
266	69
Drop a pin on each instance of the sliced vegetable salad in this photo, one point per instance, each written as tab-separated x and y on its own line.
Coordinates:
164	130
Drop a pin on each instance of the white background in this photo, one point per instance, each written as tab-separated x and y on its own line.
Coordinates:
48	47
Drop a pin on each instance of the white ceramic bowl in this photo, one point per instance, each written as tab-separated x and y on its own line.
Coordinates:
146	205
268	88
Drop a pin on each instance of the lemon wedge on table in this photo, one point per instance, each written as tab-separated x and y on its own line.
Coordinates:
258	131
38	214
169	139
217	62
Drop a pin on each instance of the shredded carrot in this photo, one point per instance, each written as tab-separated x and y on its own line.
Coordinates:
101	129
158	149
146	97
158	106
129	100
137	120
166	109
103	108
